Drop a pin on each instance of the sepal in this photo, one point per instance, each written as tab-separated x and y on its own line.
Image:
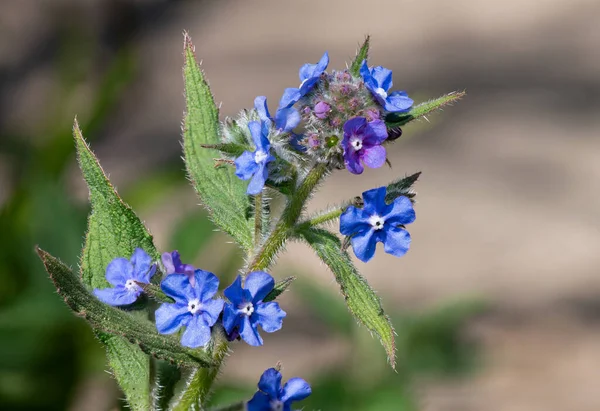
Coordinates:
361	55
402	187
394	120
279	288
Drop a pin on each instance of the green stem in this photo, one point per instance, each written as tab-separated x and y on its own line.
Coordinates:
322	218
202	379
258	212
288	219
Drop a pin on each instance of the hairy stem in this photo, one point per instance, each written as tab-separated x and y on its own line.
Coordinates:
323	218
288	219
258	211
201	381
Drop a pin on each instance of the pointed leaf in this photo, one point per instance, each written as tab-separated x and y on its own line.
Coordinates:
402	187
362	54
362	301
112	322
279	288
397	120
221	192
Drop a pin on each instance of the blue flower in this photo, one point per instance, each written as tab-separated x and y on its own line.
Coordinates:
379	81
271	397
309	75
378	221
124	275
247	310
194	307
362	144
286	119
254	164
173	265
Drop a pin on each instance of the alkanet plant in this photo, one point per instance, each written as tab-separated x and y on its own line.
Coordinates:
155	312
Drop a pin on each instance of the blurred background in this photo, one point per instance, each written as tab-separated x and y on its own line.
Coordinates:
496	306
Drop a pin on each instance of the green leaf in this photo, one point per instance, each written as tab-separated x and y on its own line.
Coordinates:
279	288
112	322
113	231
362	54
402	187
362	301
394	120
221	192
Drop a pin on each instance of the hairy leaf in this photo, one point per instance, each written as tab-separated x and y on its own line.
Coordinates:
362	54
221	192
279	288
395	120
112	322
113	231
362	301
402	187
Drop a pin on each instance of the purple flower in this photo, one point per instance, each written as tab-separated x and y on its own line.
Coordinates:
378	222
379	81
362	144
247	310
173	265
322	109
124	275
286	119
194	307
309	75
271	397
254	164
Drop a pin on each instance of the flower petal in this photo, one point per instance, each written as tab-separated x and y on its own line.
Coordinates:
354	220
178	287
249	333
171	317
375	156
296	389
261	142
352	163
270	383
235	292
398	102
117	296
269	316
207	284
260	402
230	318
119	271
197	333
365	72
375	201
396	241
259	284
258	181
287	119
354	126
168	260
375	133
401	211
364	245
260	104
245	165
382	76
141	265
290	97
211	309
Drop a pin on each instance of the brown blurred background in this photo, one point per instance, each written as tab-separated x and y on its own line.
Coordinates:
508	203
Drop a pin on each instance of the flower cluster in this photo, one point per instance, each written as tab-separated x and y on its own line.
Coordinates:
195	306
335	118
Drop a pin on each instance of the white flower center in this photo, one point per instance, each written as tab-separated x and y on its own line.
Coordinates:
276	405
247	309
130	285
376	222
260	156
194	306
356	143
381	92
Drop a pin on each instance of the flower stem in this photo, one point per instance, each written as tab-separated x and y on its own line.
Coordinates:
201	381
323	218
258	213
288	219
